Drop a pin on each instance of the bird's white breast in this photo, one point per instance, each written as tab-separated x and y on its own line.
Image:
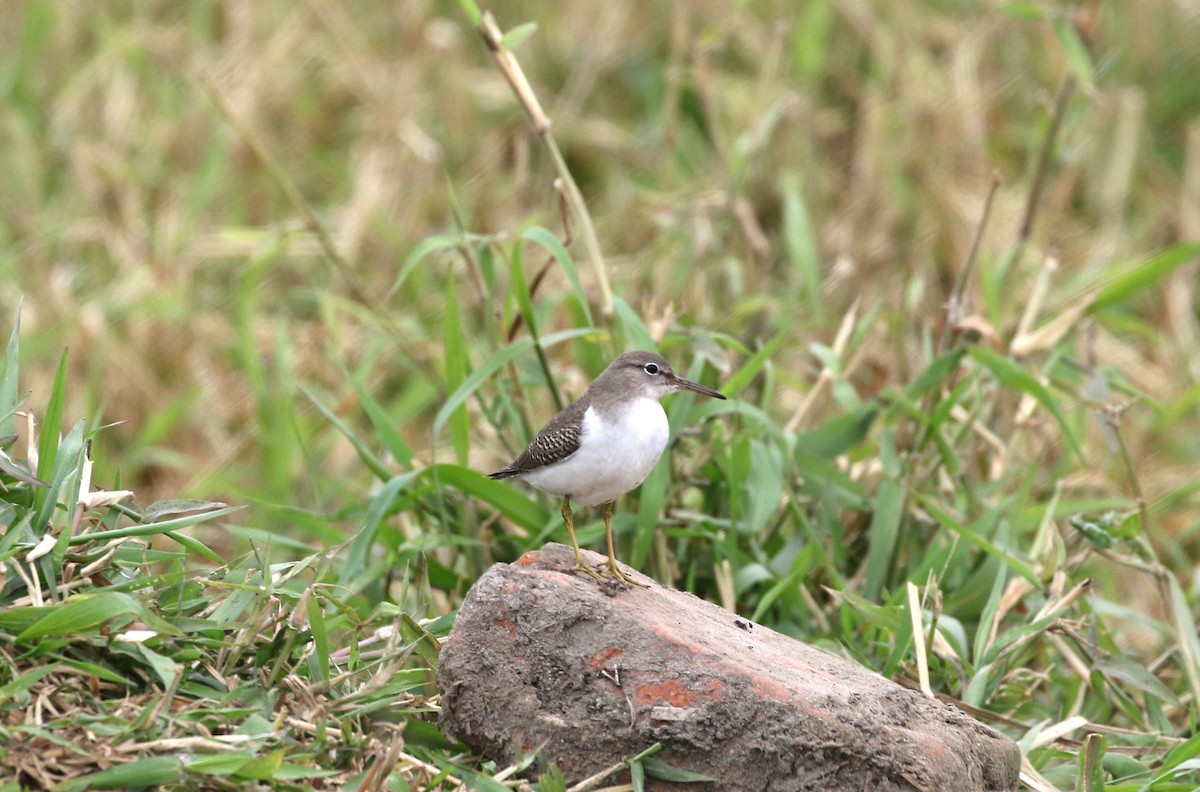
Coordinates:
615	454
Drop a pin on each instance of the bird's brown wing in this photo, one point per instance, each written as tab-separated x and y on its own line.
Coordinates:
557	441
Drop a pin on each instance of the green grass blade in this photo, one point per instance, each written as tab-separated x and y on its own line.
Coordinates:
138	774
472	12
384	427
83	614
550	242
935	374
888	513
1128	284
8	379
765	486
637	336
514	38
152	529
1187	636
320	636
503	495
652	496
48	445
66	458
491	365
1012	375
976	538
368	457
520	292
359	551
734	384
799	239
1079	61
839	434
455	353
414	258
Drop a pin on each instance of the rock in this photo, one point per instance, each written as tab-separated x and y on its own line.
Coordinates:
594	673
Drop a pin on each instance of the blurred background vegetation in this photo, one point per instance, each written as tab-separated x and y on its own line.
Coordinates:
285	242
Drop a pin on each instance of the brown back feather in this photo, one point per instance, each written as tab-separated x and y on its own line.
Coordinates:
557	441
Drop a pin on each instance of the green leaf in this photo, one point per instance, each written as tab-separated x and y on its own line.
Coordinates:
220	765
159	509
734	384
547	240
26	681
472	12
650	505
1079	61
935	374
167	671
637	776
359	551
800	242
427	735
1186	634
138	774
822	476
373	463
515	37
501	494
476	782
320	636
8	379
1012	375
67	458
1122	767
765	486
979	688
520	292
1183	752
975	537
838	435
423	249
636	334
425	643
83	614
1091	764
493	363
262	768
885	617
384	426
164	528
1124	286
44	499
455	351
886	518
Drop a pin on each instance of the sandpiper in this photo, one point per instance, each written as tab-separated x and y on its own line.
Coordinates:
605	444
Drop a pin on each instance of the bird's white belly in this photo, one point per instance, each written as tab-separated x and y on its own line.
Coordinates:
613	457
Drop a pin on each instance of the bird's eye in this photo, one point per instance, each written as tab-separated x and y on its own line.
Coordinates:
651	368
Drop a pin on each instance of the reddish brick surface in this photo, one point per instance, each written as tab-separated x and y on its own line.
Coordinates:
595	673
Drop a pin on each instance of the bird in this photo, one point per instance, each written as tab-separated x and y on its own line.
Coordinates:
604	444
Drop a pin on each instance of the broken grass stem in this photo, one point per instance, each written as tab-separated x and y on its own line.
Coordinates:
511	70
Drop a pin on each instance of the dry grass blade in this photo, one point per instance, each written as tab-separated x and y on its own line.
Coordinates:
512	72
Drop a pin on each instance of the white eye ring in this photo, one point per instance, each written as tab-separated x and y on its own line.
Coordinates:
651	368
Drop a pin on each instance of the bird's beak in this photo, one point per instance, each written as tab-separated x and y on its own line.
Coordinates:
683	384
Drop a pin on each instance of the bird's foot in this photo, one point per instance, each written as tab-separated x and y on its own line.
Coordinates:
610	569
582	566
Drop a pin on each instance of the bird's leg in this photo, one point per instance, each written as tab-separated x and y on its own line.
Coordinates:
579	562
611	568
